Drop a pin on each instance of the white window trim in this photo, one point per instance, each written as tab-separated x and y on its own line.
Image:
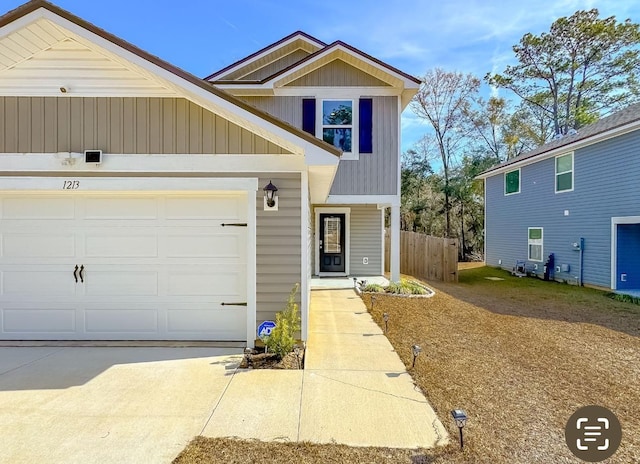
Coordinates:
555	168
347	239
529	243
353	155
519	182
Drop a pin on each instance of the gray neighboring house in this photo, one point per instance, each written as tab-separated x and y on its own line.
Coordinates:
578	198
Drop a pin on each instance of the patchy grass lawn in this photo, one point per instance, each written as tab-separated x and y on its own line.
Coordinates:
520	355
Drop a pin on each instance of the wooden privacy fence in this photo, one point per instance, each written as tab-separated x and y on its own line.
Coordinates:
424	256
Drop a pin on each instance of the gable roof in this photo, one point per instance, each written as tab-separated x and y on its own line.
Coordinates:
393	79
259	122
338	44
623	121
296	36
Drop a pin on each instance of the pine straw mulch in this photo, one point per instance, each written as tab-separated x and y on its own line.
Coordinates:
235	451
258	359
519	355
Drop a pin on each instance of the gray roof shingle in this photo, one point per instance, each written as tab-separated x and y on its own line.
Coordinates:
621	118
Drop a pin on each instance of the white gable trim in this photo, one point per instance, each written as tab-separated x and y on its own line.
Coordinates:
395	79
267	51
180	86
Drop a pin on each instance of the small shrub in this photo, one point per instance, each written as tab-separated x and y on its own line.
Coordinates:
415	288
398	288
624	298
375	288
282	338
404	287
393	287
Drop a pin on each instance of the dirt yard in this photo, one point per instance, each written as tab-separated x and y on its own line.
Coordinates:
519	355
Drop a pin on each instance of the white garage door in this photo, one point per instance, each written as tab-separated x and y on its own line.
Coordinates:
149	267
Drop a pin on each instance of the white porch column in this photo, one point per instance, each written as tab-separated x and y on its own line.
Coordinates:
395	244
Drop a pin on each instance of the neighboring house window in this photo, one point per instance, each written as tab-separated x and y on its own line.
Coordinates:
512	182
535	243
337	123
564	173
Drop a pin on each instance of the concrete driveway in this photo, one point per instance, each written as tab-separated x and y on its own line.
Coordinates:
107	405
138	405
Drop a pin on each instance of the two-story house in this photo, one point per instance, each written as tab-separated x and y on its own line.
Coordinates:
576	198
140	202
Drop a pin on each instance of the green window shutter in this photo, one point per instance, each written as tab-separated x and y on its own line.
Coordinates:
512	182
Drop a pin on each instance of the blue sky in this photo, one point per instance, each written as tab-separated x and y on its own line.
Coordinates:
202	36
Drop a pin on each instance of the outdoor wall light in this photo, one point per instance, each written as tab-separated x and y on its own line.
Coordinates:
385	317
416	351
270	197
460	417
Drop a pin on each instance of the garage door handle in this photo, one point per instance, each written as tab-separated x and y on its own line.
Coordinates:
75	273
81	271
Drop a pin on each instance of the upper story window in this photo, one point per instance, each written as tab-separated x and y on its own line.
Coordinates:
344	123
337	123
512	182
564	173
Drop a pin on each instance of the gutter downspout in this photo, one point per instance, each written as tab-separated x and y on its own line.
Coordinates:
581	261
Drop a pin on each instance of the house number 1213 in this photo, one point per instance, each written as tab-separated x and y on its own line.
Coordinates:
71	185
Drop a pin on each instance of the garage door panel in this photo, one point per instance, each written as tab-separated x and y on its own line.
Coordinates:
225	324
155	266
101	245
115	321
30	282
223	284
118	208
218	207
40	207
42	320
42	245
206	245
120	283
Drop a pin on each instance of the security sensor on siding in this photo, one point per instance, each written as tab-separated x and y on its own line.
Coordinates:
66	158
93	156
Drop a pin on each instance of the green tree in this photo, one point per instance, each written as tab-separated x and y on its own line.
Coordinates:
468	200
488	121
443	101
583	67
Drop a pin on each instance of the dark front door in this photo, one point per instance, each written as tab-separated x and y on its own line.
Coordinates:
332	243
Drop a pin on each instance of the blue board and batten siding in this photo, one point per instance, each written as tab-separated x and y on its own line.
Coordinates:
606	184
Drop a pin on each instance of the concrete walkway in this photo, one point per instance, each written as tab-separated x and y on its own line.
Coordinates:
354	389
